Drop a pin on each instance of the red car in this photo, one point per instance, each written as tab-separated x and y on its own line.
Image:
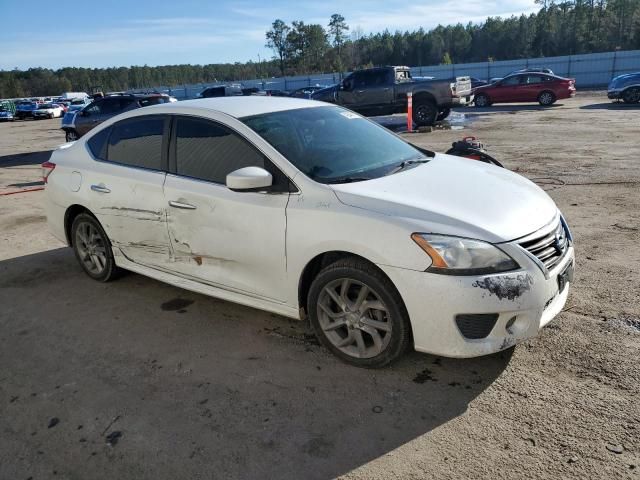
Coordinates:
526	87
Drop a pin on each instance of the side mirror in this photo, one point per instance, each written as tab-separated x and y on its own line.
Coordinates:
249	179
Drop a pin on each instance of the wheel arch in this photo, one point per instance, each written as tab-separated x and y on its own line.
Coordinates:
69	215
316	264
420	97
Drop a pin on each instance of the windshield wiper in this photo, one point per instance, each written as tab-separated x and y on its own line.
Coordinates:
347	180
405	164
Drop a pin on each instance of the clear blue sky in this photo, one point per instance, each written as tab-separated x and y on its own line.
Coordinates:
56	33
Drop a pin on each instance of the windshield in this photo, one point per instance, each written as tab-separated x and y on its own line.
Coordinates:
331	144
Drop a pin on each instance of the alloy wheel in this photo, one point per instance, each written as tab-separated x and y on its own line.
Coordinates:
354	318
546	98
91	247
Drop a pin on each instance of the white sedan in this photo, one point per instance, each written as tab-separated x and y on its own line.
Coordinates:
309	210
48	110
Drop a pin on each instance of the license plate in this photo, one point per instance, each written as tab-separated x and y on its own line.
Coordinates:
564	277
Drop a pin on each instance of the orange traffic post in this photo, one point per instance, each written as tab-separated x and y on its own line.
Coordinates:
409	112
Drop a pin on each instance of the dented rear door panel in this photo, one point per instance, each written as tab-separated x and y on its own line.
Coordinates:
132	212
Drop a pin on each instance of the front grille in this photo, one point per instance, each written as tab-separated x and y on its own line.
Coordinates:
475	326
549	248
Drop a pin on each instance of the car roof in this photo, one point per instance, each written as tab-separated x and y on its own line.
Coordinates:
240	107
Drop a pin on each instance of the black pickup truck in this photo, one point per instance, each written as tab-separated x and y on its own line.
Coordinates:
383	91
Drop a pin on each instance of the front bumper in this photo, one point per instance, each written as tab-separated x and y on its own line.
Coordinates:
614	94
524	300
462	101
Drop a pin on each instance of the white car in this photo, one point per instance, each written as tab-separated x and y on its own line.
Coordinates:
309	210
48	110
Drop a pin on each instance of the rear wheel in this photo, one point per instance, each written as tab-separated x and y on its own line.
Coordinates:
71	135
357	313
481	100
92	248
444	113
546	98
425	113
631	95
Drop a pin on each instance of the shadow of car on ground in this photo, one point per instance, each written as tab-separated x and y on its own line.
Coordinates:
612	106
186	383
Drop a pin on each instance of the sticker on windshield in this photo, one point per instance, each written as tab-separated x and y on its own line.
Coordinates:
350	115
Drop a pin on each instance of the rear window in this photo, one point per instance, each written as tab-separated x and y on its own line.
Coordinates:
137	142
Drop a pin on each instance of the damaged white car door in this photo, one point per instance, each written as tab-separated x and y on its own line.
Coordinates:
229	239
126	187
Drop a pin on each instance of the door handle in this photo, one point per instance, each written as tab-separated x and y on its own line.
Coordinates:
359	91
100	188
185	206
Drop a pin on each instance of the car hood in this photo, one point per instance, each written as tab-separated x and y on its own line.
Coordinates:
456	196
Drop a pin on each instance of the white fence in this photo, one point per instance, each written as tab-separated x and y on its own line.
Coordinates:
590	71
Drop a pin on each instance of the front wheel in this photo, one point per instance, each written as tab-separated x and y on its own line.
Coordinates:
425	113
631	95
71	135
92	248
357	313
546	98
443	114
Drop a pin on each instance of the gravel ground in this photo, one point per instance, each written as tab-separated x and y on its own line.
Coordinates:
138	379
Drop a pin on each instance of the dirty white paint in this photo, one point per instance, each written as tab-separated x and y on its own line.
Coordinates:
252	248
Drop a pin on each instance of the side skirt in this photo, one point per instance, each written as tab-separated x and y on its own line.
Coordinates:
204	289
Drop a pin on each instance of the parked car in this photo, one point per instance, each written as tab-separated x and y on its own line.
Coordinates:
6	115
383	91
524	70
48	110
303	209
306	92
526	87
76	124
25	110
625	87
220	91
7	111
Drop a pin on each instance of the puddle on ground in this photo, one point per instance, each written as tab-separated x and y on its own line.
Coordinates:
398	123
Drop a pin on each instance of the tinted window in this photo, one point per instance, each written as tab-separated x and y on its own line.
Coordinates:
114	105
515	80
144	102
93	108
98	144
209	151
137	142
532	79
213	92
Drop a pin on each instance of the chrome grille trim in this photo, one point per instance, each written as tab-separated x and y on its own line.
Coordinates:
549	248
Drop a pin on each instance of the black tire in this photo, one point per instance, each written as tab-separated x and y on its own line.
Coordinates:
71	135
631	95
425	113
361	272
546	98
109	270
481	101
442	114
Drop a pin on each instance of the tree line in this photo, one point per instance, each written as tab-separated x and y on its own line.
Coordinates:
558	28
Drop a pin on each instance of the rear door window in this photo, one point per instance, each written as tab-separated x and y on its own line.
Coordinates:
138	142
511	81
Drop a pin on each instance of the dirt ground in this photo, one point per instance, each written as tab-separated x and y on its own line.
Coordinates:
137	379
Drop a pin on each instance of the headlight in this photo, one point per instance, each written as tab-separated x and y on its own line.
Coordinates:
463	256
